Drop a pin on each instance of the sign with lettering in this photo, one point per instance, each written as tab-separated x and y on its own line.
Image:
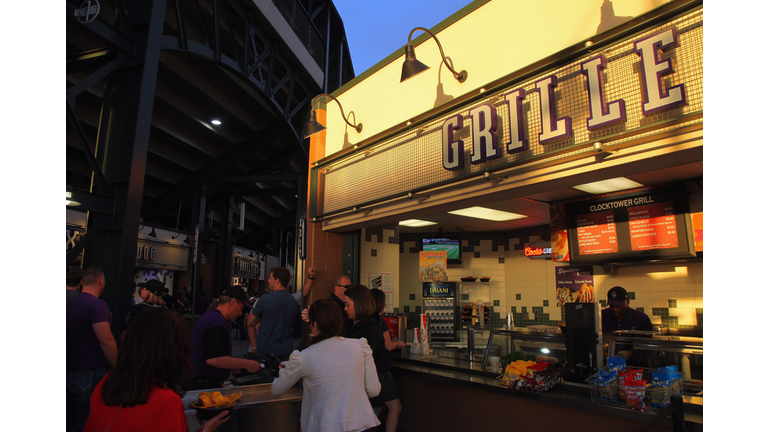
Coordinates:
575	284
438	289
433	265
246	269
160	255
650	224
535	252
88	11
483	118
644	85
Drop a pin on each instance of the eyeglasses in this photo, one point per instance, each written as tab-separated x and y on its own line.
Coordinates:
345	286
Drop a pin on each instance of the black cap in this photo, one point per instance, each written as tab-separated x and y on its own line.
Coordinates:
236	292
616	296
155	286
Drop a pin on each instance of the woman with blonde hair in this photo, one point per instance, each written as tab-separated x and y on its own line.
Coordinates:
339	375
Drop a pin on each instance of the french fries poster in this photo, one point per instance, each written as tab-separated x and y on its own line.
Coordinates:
575	284
433	265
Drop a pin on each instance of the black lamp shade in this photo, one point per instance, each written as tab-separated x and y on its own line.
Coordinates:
313	126
411	66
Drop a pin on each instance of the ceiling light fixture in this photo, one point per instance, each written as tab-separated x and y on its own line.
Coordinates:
608	185
487	214
415	223
413	67
313	126
70	201
215	122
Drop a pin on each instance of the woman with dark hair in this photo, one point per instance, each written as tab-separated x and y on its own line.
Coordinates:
338	374
365	323
388	390
152	373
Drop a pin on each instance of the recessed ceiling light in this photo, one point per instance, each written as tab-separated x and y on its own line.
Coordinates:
216	122
487	214
416	223
609	185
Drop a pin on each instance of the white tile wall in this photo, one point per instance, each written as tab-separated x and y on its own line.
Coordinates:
534	280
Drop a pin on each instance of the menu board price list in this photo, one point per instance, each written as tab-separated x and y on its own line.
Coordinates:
596	233
652	226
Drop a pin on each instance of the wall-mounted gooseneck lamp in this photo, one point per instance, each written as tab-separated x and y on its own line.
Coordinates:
413	67
313	126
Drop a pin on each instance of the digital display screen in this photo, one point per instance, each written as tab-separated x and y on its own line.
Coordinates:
452	247
650	224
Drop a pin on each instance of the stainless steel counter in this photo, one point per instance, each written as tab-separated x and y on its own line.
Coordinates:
257	407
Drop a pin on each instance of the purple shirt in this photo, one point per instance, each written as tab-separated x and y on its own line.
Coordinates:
211	319
83	348
634	320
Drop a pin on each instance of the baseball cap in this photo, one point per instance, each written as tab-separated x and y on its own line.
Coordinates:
616	296
154	285
237	293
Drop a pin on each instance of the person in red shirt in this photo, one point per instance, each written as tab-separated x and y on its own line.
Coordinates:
153	371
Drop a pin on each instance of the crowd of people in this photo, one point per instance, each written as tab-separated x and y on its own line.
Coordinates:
344	371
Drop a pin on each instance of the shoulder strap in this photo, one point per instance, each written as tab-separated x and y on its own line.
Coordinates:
112	423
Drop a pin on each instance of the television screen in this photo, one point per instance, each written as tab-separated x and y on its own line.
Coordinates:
452	247
650	224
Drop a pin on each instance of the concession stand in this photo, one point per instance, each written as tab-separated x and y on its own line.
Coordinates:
552	97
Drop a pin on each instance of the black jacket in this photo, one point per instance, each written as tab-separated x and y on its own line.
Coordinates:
370	329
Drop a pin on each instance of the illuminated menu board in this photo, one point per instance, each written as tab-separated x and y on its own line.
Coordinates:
643	225
596	233
652	226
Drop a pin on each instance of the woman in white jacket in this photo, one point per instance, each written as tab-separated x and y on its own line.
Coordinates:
339	376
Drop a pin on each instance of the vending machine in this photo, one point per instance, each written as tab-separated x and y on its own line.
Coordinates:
441	309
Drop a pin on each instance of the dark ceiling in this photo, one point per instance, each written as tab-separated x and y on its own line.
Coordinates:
240	72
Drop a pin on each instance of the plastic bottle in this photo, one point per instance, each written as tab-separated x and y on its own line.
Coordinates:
686	368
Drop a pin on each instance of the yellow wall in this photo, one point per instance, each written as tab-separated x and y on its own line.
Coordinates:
496	39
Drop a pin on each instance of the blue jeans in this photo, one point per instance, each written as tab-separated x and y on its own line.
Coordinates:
80	385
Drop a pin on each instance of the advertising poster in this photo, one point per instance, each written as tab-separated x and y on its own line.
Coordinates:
697	219
385	282
558	233
575	284
433	266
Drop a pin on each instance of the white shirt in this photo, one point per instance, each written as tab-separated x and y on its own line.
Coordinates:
339	376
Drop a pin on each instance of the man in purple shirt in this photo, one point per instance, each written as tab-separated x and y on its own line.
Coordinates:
619	316
91	348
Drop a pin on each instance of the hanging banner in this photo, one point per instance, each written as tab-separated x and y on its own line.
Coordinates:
575	284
